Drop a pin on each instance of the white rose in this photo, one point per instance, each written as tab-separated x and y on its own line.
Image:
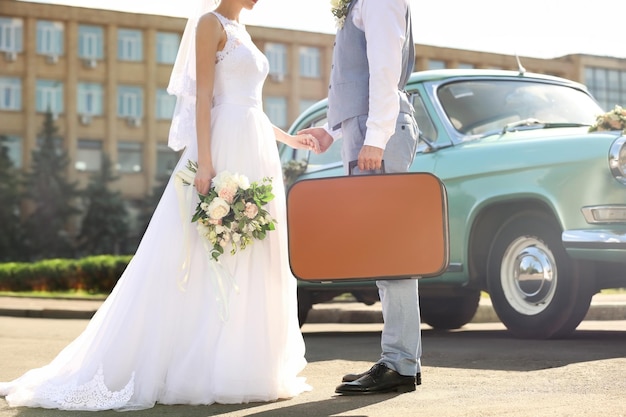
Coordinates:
236	237
225	180
242	181
218	208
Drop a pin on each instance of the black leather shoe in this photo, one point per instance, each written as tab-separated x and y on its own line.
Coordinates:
377	380
354	377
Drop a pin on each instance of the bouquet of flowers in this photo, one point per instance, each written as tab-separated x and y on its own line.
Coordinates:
339	8
611	120
232	213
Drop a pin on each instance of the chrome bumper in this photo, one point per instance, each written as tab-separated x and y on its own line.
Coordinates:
594	239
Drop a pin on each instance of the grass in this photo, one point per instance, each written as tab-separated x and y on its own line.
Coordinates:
74	294
84	295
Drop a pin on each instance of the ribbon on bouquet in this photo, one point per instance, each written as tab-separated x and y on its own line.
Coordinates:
221	278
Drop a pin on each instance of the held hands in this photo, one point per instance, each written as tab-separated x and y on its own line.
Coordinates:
305	141
370	158
204	176
323	138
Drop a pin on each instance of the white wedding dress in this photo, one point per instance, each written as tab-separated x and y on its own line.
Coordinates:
159	338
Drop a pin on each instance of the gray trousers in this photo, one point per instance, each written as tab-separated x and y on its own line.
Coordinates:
401	340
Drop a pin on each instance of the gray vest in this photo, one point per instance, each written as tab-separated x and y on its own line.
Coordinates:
348	93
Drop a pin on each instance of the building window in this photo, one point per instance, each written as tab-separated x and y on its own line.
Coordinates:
13	144
11	34
310	62
167	47
89	155
129	45
49	96
49	38
277	56
305	104
608	86
165	105
90	99
166	160
129	101
434	64
129	157
465	66
90	42
10	94
276	109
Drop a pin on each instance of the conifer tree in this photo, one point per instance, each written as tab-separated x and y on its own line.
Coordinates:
105	225
10	228
51	196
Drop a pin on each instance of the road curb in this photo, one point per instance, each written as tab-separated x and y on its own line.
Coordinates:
484	314
320	313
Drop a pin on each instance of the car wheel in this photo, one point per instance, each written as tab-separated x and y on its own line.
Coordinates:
305	303
536	289
447	313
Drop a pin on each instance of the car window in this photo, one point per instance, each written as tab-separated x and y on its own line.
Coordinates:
424	122
478	106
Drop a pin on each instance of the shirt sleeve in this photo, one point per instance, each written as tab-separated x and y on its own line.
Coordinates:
384	24
334	133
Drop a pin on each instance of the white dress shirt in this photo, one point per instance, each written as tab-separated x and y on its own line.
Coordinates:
384	24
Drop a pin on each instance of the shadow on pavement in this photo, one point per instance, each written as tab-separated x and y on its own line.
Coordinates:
476	349
328	407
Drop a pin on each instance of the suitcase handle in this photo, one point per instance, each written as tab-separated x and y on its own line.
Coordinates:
354	164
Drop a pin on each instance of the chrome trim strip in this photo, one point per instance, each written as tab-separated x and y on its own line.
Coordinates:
595	239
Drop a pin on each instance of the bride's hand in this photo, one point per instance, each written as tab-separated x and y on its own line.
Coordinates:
204	176
306	141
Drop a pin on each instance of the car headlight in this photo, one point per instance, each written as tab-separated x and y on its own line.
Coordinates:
617	159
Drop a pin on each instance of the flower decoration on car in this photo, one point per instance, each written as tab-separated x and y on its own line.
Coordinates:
292	170
339	9
611	120
231	215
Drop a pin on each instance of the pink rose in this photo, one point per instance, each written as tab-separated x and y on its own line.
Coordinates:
228	194
251	210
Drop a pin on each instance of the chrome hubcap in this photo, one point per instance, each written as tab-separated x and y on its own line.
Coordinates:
528	275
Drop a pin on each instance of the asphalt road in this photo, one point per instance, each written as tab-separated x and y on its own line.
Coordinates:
479	370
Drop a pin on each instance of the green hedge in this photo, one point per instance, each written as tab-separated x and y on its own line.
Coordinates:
95	274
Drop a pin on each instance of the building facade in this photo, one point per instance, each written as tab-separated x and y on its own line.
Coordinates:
103	75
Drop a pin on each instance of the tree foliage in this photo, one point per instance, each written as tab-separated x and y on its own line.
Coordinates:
105	224
51	196
10	230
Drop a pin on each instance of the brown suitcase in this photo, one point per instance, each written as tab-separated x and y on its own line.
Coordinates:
385	226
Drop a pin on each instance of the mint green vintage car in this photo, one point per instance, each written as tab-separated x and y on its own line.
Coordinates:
537	204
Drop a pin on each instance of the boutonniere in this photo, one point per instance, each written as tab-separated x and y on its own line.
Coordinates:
340	11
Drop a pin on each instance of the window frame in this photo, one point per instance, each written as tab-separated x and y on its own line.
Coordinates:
10	94
51	92
50	37
130	45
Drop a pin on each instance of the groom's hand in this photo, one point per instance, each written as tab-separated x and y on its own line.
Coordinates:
323	137
370	158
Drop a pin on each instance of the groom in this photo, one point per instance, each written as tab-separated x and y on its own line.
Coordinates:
372	61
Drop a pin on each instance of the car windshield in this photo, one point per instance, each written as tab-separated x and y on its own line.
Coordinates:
476	107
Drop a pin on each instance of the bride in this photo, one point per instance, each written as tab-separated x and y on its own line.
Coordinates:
204	332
